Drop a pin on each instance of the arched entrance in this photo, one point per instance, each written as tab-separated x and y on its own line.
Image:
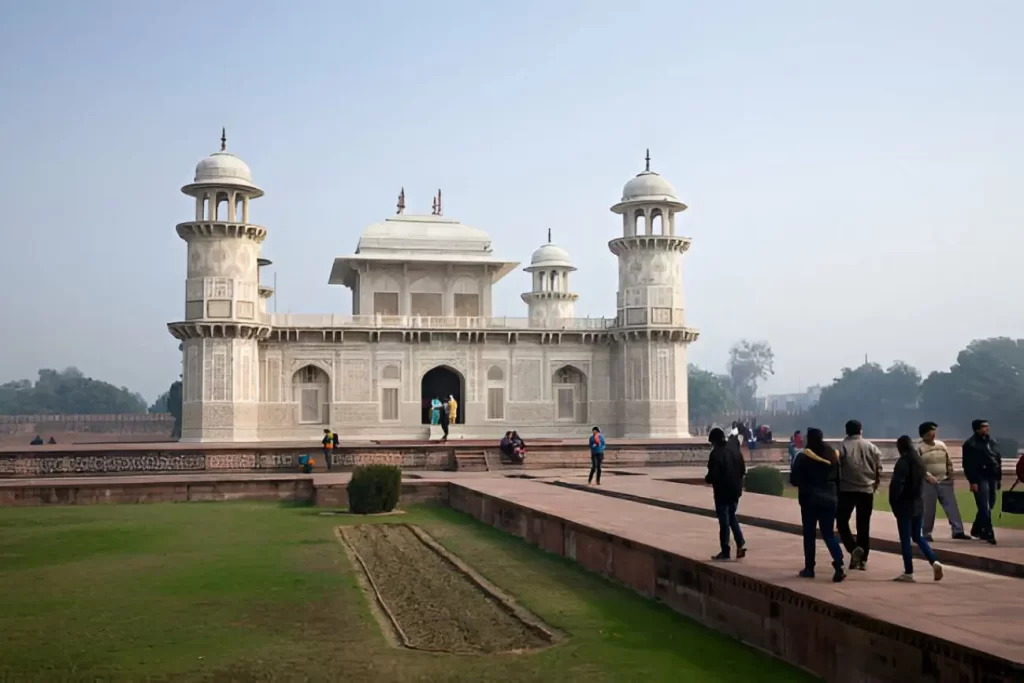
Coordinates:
311	394
442	382
569	389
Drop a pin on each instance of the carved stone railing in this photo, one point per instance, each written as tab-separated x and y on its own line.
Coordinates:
322	321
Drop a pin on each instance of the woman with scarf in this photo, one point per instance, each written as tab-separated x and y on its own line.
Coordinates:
815	472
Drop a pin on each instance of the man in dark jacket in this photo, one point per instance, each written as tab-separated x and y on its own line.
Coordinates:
983	468
726	470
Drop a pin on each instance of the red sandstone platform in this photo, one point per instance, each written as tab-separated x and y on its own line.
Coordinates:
783	514
979	615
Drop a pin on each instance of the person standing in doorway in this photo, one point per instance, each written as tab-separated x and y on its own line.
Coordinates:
596	454
938	483
815	473
444	420
983	467
905	501
725	474
327	443
860	472
453	409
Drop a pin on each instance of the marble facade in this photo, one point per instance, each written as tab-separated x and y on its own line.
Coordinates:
421	300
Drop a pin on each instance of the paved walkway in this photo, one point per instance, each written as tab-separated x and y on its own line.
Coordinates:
783	514
975	609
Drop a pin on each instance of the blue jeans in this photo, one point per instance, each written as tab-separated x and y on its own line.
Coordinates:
909	527
816	516
726	511
985	498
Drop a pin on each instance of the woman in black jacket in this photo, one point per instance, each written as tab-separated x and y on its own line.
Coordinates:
906	504
815	472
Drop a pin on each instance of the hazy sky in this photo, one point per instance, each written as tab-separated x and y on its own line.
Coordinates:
853	169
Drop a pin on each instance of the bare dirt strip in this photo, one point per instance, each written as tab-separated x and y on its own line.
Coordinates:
433	600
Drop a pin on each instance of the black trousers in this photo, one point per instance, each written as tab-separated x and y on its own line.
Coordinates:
595	466
863	504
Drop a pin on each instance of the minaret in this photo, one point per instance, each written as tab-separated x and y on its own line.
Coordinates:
550	299
223	314
650	323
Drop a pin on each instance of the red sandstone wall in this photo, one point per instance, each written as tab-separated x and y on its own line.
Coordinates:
18	430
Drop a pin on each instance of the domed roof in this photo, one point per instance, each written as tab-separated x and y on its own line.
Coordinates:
223	168
648	185
413	233
550	256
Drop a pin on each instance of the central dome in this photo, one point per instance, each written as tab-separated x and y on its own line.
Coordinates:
648	185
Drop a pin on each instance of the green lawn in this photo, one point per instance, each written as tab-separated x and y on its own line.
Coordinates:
261	592
965	501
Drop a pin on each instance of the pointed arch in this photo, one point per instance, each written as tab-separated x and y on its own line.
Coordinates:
311	386
569	391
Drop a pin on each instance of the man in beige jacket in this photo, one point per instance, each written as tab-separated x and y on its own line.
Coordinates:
860	471
938	484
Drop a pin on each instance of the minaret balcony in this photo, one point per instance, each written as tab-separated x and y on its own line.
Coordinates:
224	229
622	245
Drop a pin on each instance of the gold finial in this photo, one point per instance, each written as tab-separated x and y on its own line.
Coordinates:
549	235
433	207
439	202
401	201
223	139
648	160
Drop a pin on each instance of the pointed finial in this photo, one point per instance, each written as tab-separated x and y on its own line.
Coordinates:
549	235
401	201
223	139
433	207
439	202
648	160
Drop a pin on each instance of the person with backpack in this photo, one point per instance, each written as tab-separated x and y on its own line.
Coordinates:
327	443
726	470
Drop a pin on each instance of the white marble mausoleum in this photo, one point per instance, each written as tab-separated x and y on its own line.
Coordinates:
422	325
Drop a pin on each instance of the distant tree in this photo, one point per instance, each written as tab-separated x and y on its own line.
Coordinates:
885	401
710	395
986	382
174	407
749	363
67	391
160	404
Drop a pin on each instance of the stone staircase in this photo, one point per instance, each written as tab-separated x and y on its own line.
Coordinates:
471	461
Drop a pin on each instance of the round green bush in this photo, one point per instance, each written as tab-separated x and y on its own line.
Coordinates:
374	489
766	480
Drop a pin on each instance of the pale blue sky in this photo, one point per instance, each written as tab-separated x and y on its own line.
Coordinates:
853	169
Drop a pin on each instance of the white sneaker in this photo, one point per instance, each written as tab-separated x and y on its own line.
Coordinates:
905	578
937	571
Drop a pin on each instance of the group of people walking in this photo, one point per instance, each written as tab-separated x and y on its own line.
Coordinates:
837	485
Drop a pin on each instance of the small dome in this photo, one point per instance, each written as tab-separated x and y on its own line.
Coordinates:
649	185
550	256
225	169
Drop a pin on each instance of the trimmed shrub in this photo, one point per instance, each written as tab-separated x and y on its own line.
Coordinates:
374	489
766	480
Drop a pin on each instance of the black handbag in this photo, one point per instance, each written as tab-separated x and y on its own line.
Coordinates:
1013	501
